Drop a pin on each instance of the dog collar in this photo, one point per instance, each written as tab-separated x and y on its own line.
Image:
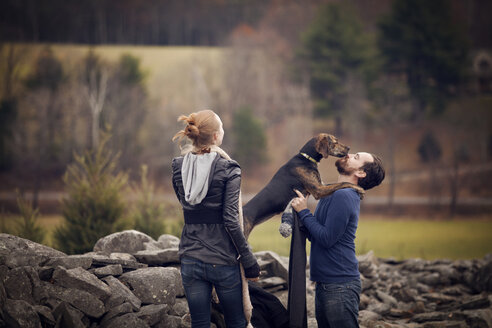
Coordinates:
309	157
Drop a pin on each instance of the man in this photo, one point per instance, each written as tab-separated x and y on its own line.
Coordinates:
331	231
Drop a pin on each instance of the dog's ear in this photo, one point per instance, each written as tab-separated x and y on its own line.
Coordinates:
324	143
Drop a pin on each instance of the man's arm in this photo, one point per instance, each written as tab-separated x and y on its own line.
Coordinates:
337	218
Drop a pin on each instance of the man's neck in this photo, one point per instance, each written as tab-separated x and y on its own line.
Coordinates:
347	178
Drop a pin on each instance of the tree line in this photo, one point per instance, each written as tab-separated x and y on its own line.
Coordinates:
182	22
393	79
159	22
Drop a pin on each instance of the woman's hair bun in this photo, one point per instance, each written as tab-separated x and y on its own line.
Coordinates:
191	130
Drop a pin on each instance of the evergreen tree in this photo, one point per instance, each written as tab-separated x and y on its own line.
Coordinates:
27	227
420	40
249	138
335	47
8	113
148	214
95	201
430	153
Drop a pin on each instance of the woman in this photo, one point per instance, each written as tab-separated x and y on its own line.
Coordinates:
207	184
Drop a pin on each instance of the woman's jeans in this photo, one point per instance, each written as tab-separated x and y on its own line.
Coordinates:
199	277
337	304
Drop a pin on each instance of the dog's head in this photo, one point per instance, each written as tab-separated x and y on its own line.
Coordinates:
327	145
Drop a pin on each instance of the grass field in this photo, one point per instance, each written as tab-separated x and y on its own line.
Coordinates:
400	239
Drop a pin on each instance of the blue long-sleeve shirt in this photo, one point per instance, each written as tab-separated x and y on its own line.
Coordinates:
332	233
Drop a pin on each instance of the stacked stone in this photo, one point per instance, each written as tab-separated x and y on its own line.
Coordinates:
428	294
132	280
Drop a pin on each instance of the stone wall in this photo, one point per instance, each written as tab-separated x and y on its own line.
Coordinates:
132	280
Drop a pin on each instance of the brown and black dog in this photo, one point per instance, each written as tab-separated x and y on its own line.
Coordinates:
301	173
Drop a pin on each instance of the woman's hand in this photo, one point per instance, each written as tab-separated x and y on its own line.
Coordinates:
252	273
299	203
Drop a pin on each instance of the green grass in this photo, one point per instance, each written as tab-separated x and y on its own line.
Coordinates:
400	239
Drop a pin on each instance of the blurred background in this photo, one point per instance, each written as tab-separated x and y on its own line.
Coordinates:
90	92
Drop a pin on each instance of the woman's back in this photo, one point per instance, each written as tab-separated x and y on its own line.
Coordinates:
206	238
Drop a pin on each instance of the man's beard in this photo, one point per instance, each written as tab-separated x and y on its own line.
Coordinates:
342	168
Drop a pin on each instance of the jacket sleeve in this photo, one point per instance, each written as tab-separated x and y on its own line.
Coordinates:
231	214
175	170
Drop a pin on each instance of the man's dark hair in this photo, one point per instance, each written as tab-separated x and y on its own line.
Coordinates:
374	173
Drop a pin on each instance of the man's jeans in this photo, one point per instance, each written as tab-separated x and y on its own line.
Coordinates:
337	304
198	278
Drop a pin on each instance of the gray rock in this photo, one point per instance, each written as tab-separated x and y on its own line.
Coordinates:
120	294
170	321
3	272
367	283
20	314
421	288
45	315
70	262
3	296
431	279
479	318
366	316
108	270
154	285
405	294
153	313
475	302
125	264
115	312
447	272
368	265
123	256
168	241
45	273
399	313
274	264
68	316
16	251
445	324
438	298
385	298
413	265
180	307
129	320
19	284
364	301
159	257
128	241
429	316
484	277
379	308
456	290
272	282
81	279
82	300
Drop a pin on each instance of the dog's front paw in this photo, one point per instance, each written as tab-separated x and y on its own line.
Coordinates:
285	229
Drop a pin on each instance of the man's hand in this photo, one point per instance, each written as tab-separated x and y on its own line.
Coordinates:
299	203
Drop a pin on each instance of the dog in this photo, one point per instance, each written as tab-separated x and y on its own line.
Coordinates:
301	173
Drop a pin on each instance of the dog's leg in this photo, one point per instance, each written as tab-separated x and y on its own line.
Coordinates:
285	227
312	183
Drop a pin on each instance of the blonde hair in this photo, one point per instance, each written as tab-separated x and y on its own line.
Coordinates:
200	129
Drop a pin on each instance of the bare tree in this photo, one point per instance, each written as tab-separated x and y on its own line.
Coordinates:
460	156
13	58
392	100
94	83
